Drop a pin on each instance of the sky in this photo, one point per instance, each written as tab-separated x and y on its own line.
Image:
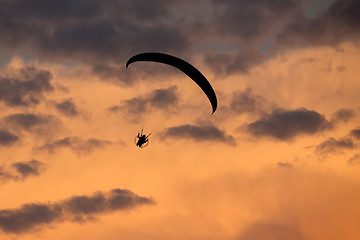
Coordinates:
279	159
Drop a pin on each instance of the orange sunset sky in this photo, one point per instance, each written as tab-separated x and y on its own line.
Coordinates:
279	159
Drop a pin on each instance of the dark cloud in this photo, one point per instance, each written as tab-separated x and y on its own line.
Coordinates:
332	145
309	60
286	124
67	107
229	63
27	121
341	68
116	199
133	108
273	26
28	216
26	87
21	170
285	165
271	231
135	75
339	23
247	102
343	115
40	124
164	99
337	146
252	20
78	208
354	160
355	133
199	133
91	31
4	175
115	74
76	144
106	33
7	138
28	168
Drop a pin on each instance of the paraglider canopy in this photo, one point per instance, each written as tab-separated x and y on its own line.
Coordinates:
182	65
